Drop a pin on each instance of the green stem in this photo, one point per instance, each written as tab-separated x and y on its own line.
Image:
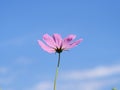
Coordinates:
56	74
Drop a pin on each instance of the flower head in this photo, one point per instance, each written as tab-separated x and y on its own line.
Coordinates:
55	43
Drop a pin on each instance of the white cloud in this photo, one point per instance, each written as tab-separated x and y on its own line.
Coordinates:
18	41
76	85
83	80
3	70
5	80
46	85
92	84
23	60
97	72
12	42
5	76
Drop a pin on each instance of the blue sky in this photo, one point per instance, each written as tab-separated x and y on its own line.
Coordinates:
92	65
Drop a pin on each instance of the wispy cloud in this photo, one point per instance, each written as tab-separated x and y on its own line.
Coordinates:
87	85
46	85
12	42
4	76
3	70
23	60
18	41
89	79
97	72
76	85
6	80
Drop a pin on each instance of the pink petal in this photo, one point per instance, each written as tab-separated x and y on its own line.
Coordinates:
46	48
67	40
58	40
75	43
49	40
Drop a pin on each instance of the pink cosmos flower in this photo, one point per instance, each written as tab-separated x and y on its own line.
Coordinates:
55	43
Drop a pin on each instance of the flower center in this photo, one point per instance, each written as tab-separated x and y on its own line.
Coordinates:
59	50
